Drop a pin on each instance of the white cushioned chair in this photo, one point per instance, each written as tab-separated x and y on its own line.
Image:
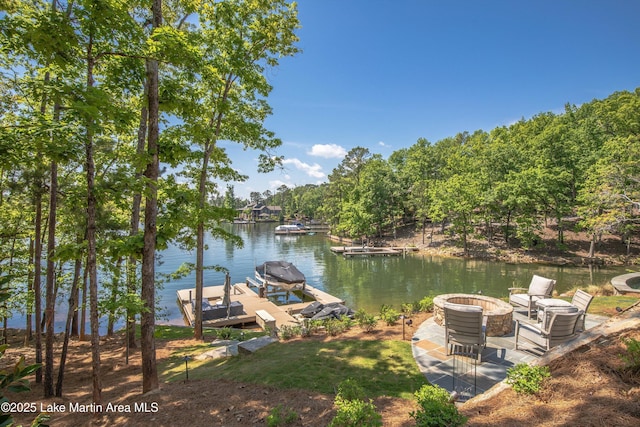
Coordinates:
539	288
560	328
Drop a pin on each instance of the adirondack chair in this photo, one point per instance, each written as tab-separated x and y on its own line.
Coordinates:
539	288
561	328
465	326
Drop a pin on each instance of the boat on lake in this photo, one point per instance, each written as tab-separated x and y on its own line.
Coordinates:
280	274
296	228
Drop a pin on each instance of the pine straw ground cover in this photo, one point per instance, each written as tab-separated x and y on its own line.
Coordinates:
587	388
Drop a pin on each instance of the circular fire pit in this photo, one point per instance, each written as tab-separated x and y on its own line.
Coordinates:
499	313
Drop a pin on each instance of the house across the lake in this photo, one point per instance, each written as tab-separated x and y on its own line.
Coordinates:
259	212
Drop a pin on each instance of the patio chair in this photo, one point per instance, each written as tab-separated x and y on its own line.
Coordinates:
539	288
561	328
582	300
465	326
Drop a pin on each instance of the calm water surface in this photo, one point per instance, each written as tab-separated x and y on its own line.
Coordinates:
365	282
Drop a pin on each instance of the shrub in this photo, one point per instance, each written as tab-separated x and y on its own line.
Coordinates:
289	331
13	379
224	333
390	316
527	379
408	308
360	314
436	408
426	304
632	356
334	327
314	325
353	411
349	389
279	416
368	323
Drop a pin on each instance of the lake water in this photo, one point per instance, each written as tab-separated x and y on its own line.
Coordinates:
363	282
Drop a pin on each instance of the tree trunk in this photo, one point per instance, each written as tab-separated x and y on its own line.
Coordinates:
51	276
592	246
91	245
83	320
73	306
506	229
135	223
115	284
37	280
147	321
28	331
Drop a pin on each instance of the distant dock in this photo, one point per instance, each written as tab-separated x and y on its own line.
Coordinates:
291	232
354	251
255	310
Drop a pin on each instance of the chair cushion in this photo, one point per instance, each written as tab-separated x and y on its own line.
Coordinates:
541	285
519	299
463	307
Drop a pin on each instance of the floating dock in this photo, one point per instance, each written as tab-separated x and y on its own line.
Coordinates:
255	310
352	251
292	232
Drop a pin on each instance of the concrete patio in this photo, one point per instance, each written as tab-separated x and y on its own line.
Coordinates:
499	355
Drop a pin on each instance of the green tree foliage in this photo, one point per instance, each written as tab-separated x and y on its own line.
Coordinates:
96	98
507	183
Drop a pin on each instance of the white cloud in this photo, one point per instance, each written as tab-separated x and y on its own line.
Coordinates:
382	144
314	170
275	184
328	151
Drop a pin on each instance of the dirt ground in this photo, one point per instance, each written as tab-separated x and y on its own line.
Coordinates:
197	403
587	388
609	250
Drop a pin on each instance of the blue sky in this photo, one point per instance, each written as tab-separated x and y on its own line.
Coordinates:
381	74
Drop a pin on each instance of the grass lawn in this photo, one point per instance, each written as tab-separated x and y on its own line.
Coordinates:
381	368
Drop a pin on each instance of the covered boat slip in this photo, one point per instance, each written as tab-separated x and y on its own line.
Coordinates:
251	304
280	274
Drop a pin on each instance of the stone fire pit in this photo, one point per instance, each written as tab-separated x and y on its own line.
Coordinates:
499	313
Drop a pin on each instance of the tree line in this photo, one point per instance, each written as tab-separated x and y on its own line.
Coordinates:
582	164
111	114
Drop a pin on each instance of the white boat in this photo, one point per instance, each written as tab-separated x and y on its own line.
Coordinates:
291	229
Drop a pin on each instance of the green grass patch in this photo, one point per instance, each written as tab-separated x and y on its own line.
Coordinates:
381	368
175	332
606	306
172	332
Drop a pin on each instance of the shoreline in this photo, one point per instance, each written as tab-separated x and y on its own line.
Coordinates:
610	251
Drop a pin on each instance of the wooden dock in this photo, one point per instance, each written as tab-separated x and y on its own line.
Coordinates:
292	232
252	303
352	251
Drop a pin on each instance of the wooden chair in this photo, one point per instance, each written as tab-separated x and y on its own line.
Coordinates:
561	328
539	288
464	326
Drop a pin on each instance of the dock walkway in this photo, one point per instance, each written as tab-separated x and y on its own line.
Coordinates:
251	303
351	251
